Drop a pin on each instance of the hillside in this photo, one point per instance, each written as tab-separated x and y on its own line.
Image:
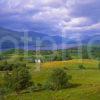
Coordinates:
8	36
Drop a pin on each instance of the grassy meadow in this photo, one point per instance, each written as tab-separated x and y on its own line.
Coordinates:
86	83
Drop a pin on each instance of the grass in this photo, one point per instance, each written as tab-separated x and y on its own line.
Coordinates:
72	64
87	82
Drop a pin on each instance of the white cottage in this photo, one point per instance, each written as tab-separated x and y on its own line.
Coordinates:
38	64
37	61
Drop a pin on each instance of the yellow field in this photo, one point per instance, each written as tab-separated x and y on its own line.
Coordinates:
70	63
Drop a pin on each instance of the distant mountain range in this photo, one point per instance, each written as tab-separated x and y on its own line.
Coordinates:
14	39
9	38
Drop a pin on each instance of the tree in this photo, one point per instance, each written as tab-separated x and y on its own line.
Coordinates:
19	79
66	55
58	57
1	57
58	79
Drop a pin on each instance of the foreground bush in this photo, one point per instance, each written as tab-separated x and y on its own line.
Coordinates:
19	79
4	66
58	79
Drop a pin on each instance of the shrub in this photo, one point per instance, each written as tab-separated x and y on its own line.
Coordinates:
81	67
58	79
5	66
19	79
36	87
2	93
65	68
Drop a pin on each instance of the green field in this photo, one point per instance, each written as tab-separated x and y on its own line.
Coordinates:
86	83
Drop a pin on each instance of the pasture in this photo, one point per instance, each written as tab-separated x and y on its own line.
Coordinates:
86	83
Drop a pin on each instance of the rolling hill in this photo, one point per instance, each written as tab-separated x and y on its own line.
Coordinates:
8	36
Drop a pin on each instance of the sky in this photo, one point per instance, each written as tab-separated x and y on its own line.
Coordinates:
67	18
